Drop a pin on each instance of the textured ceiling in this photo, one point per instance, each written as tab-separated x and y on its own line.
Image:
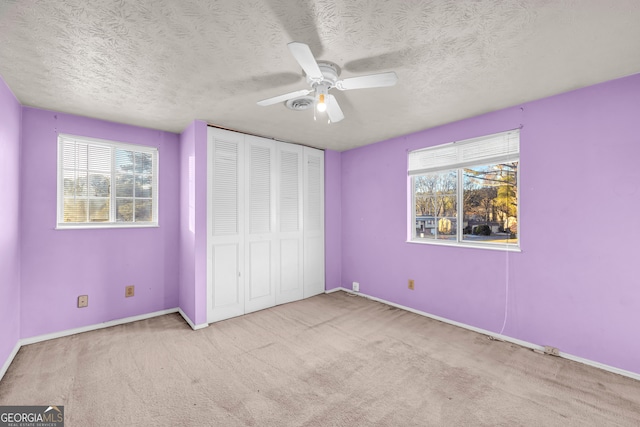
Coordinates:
164	63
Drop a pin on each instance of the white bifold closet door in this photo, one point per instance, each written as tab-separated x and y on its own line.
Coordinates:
261	250
313	229
265	223
290	287
225	228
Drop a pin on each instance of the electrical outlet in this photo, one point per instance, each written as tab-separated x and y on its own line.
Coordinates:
551	351
129	291
83	301
412	284
355	287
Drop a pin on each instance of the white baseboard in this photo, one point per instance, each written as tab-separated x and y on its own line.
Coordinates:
7	362
188	320
53	335
539	348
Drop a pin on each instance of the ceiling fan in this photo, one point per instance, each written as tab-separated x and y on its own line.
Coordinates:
322	76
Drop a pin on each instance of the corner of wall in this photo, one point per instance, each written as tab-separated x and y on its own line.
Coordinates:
193	221
10	226
333	219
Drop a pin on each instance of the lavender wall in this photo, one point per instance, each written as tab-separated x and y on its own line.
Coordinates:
59	265
201	223
332	219
10	117
193	222
574	285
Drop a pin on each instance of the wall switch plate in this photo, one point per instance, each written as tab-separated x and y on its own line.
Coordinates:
83	301
412	284
355	287
129	291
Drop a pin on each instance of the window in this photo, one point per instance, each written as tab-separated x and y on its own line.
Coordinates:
466	192
106	184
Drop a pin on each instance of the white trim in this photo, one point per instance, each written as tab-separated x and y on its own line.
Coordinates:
81	226
508	247
535	347
602	366
53	335
7	362
188	320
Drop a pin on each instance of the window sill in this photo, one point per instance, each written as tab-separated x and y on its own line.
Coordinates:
472	245
104	226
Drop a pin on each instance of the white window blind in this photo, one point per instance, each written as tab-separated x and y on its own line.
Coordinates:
496	148
106	183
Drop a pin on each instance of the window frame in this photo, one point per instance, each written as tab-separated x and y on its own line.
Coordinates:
412	235
112	145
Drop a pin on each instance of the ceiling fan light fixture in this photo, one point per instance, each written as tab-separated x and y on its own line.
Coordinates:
322	106
323	76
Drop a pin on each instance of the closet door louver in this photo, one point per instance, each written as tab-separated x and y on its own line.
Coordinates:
225	188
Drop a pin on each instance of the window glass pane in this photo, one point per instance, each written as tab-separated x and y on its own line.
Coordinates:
143	163
99	185
75	210
436	205
69	183
98	210
82	183
447	225
490	203
74	183
124	185
89	171
144	210
124	210
124	161
143	185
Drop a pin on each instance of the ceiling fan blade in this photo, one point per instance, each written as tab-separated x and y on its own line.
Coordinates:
302	53
333	109
282	98
372	80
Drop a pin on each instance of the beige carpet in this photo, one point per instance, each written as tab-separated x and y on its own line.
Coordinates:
331	360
